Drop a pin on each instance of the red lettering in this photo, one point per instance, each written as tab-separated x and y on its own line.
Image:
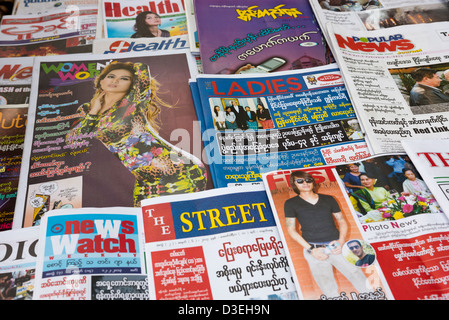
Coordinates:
235	87
443	160
395	45
127	227
277	86
294	84
251	87
214	87
114	9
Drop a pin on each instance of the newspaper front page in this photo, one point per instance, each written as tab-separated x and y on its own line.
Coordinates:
397	81
391	240
215	245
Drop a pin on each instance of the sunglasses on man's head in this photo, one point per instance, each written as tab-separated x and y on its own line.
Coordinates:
301	180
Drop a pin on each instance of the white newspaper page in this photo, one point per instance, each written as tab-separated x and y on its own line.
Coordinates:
397	81
91	254
215	245
18	254
432	161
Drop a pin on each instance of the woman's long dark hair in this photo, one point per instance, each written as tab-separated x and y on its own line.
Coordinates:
141	26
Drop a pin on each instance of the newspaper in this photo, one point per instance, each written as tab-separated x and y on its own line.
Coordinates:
125	155
387	241
259	123
55	24
393	91
18	256
219	244
91	254
13	119
369	15
69	31
15	80
42	7
431	160
269	36
121	19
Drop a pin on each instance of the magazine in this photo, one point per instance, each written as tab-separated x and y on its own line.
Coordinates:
15	80
259	123
147	144
219	244
386	241
18	255
396	80
431	160
91	254
255	37
127	18
12	136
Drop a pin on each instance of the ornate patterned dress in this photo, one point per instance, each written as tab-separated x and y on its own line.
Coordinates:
159	167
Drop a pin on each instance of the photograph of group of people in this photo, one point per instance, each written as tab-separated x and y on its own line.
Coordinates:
243	114
386	188
426	89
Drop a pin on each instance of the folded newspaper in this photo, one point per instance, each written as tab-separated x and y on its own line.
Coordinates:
397	79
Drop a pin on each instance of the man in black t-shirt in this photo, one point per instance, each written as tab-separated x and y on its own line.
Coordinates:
323	232
356	248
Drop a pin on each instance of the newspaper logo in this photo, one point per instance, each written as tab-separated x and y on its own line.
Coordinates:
390	43
323	80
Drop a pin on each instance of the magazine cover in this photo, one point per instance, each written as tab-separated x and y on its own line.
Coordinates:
367	218
215	245
431	158
12	137
109	130
18	256
258	37
255	124
138	18
91	254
